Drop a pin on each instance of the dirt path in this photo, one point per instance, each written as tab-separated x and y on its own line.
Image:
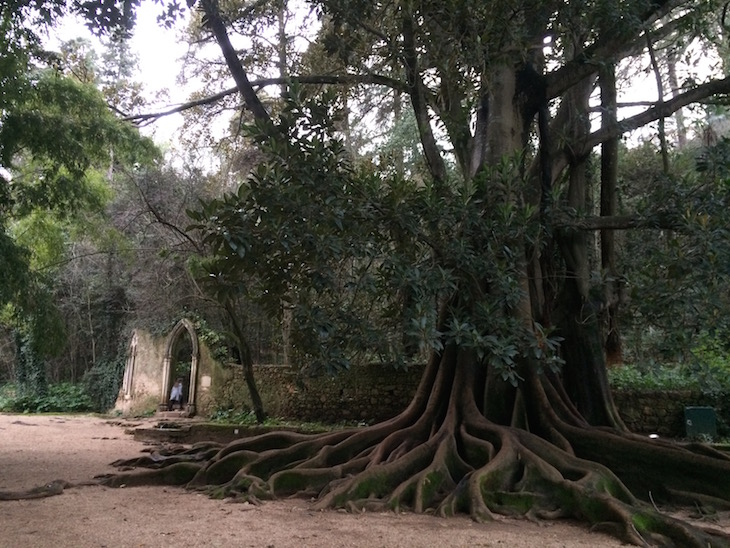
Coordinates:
38	449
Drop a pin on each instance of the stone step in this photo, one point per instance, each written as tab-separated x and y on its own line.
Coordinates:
171	414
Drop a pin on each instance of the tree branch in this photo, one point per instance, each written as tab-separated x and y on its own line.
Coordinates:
663	220
334	79
416	92
660	104
609	50
659	110
217	26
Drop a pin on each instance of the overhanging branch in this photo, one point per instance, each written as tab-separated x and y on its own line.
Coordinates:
218	27
610	49
333	79
659	110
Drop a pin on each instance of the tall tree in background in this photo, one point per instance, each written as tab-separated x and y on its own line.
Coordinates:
58	141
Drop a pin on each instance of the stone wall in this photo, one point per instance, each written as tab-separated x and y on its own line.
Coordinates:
363	394
141	393
150	365
663	412
375	392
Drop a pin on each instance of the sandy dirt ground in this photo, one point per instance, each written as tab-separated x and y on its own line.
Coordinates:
38	449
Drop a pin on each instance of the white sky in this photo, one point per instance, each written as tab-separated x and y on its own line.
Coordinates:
159	64
159	58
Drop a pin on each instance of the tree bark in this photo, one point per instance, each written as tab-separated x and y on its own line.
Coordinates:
418	100
584	372
214	21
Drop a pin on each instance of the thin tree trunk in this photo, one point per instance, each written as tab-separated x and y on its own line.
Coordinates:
398	161
609	206
660	105
282	46
92	336
674	85
218	27
244	351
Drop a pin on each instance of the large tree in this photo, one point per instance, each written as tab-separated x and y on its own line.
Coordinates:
493	426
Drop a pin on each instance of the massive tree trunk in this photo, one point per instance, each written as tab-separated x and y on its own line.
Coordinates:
609	207
578	311
468	443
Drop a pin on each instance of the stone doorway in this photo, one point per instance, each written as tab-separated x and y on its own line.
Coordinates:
181	361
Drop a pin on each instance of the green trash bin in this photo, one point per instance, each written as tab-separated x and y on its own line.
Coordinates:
700	422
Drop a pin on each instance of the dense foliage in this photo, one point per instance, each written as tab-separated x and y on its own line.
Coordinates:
60	146
676	278
58	398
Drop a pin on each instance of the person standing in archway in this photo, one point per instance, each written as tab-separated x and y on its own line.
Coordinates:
176	395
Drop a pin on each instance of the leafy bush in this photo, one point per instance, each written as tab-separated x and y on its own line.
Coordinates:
697	375
60	398
233	416
633	377
7	395
102	382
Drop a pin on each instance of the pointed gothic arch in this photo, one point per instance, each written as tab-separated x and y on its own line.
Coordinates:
182	327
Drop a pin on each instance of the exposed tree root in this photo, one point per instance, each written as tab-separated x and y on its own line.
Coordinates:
443	456
56	487
167	456
480	469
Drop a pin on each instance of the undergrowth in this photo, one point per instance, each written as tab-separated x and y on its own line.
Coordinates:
60	398
698	376
248	418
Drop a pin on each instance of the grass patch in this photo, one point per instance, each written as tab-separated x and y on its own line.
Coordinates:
248	418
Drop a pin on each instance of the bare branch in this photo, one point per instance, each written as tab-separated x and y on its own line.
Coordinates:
659	110
333	79
146	118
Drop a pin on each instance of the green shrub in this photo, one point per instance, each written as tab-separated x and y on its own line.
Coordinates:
248	418
701	376
102	382
233	416
7	395
711	353
651	377
60	398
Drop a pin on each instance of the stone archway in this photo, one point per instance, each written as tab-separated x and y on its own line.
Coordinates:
182	328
